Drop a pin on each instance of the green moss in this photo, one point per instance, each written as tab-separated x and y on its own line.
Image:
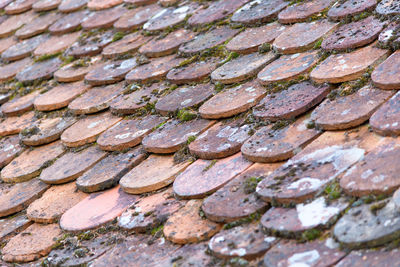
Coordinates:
333	190
231	55
264	48
188	61
310	125
218	87
186	115
46	57
311	234
209	166
156	230
190	139
66	59
88	235
118	36
280	124
377	206
317	45
251	183
252	217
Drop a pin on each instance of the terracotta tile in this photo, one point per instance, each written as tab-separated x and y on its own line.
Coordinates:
103	4
167	3
232	101
45	5
13	125
96	210
7	42
30	163
365	226
140	2
19	6
173	135
346	67
96	99
135	18
302	36
39	71
341	10
288	67
91	45
127	45
111	72
252	38
33	243
54	202
45	131
152	174
8	72
13	23
388	7
59	96
390	37
247	242
216	11
56	44
9	149
23	48
258	11
157	69
20	196
88	129
370	258
4	3
167	45
290	103
128	133
103	18
75	71
385	120
346	112
186	225
20	105
208	40
194	72
68	6
107	172
300	12
13	224
242	68
384	75
69	22
270	145
237	199
205	176
321	253
184	97
37	26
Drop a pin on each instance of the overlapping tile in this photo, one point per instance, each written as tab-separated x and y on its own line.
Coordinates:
110	73
13	23
90	45
128	44
103	18
194	72
8	72
103	4
45	5
19	6
388	7
23	48
9	149
369	258
300	12
13	125
76	71
37	26
13	224
259	11
68	6
56	44
385	120
39	71
384	75
68	23
19	105
135	18
341	10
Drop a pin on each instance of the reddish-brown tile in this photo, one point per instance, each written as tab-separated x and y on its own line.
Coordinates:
103	18
37	26
259	11
4	3
103	4
9	149
39	71
13	125
7	42
19	6
388	7
194	72
135	18
23	48
341	10
110	73
91	45
76	71
45	5
68	6
384	76
8	72
13	23
140	2
371	258
127	45
390	37
19	105
14	224
300	12
68	23
385	121
56	44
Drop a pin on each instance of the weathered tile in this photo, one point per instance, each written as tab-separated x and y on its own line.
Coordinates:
45	131
388	7
72	165
68	6
76	71
39	71
321	253
186	225
247	242
128	133
370	258
384	76
194	72
237	199
353	35
346	112
13	23
96	99
140	2
23	48
232	101
173	135
59	96
184	97
341	10
103	4
290	103
107	172
13	125
19	196
56	44
242	68
45	5
13	224
30	163
54	202
167	45
37	26
127	45
385	121
271	145
7	42
4	3
259	11
91	45
19	105
135	18
302	36
152	174
288	67
205	176
9	149
19	6
68	23
252	38
96	210
103	18
339	68
33	243
208	40
390	37
300	12
88	129
8	72
111	72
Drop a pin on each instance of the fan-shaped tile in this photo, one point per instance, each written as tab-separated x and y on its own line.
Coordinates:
103	18
259	11
19	105
300	12
8	72
56	44
385	120
384	76
68	6
23	48
127	45
135	18
39	71
9	149
341	10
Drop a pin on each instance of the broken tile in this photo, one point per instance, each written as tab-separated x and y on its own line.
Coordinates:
45	5
388	7
107	172
13	125
135	18
37	26
339	68
346	112
384	76
30	163
302	11
290	103
76	71
341	10
31	244
237	199
232	101
90	46
194	72
96	210
8	72
14	224
39	71
272	145
242	68
128	133
385	120
103	4
68	23
302	36
127	45
19	6
186	225
54	202
370	258
23	48
207	176
173	135
19	105
56	44
88	129
103	18
9	149
13	23
259	11
288	67
152	174
68	6
184	97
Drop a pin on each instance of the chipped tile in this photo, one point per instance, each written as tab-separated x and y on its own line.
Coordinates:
74	72
91	45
